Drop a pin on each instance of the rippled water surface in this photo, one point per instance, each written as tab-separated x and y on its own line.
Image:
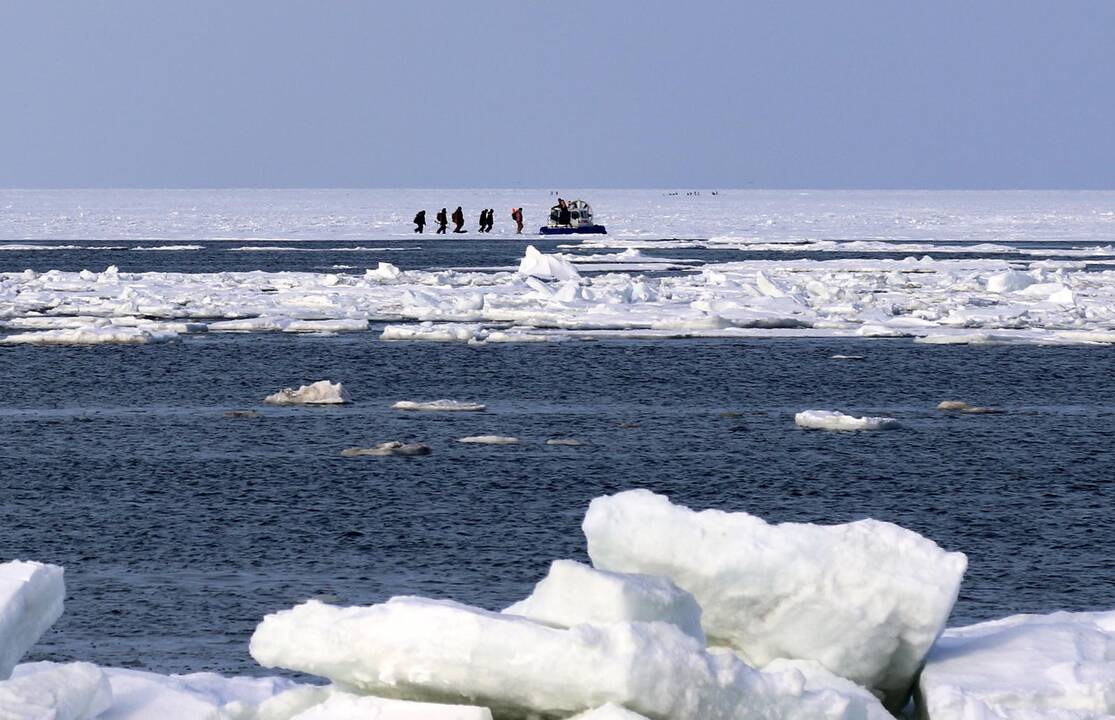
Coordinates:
180	528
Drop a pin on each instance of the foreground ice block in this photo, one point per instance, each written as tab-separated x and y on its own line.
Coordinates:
441	651
865	599
548	267
1026	667
573	593
31	595
47	691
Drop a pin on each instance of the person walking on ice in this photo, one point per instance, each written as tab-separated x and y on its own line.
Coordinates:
442	222
420	221
517	216
458	220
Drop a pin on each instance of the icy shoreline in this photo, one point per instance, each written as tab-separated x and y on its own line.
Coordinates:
733	619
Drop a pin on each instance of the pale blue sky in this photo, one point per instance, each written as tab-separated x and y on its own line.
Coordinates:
503	93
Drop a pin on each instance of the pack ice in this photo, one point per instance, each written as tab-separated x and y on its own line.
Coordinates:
438	650
1026	667
866	599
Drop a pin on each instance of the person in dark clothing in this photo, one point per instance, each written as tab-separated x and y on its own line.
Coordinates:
484	220
442	222
420	221
563	215
517	216
491	220
458	220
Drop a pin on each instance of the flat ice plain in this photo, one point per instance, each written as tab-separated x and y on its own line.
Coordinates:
932	268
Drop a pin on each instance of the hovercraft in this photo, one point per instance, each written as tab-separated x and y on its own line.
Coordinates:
572	218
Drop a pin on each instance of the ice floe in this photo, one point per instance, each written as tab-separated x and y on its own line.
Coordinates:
489	440
573	594
1026	667
91	335
547	267
385	449
439	406
31	596
322	392
835	420
865	599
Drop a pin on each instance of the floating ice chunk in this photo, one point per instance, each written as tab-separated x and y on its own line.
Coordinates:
334	326
384	449
846	357
439	406
1009	281
47	691
419	649
91	335
961	406
547	267
833	420
346	706
1026	667
570	442
321	392
31	595
573	593
972	338
489	440
865	599
430	332
609	711
384	272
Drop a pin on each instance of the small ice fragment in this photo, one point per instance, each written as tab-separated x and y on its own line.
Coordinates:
439	406
489	440
833	420
321	392
846	357
571	442
383	449
961	406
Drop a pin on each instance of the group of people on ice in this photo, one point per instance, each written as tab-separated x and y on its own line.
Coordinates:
487	220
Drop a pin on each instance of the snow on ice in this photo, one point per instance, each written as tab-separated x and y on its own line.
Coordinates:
1026	667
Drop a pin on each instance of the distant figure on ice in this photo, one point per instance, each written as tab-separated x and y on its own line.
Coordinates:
420	221
458	220
490	221
442	222
484	220
517	216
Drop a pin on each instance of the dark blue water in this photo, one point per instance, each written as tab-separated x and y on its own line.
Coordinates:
180	528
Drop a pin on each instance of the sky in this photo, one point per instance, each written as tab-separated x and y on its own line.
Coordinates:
586	93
